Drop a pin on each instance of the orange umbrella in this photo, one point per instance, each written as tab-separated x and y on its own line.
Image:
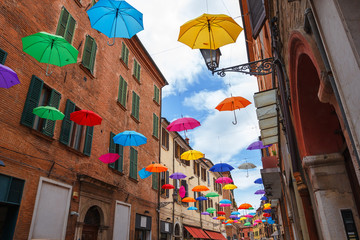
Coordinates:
245	206
267	208
231	104
221	218
230	221
156	167
200	188
188	199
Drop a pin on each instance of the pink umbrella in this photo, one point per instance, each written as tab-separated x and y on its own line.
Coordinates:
182	191
249	216
236	221
225	205
224	180
183	124
109	157
257	221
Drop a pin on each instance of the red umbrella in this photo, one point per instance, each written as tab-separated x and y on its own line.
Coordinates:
167	186
109	157
85	117
266	215
221	213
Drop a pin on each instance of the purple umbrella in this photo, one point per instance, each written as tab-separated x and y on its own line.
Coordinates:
205	213
257	145
214	217
233	216
177	175
260	192
8	77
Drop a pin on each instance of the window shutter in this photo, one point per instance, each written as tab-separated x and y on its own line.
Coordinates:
167	182
155	181
32	101
136	71
120	160
112	148
49	125
156	94
155	125
122	91
88	140
133	163
93	56
89	54
257	15
135	105
125	54
70	28
3	56
61	28
66	124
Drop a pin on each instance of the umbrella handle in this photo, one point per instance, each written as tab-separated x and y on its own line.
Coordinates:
234	122
47	71
111	44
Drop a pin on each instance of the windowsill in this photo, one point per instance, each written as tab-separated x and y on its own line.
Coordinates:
137	80
41	135
78	2
133	180
158	104
165	148
121	106
116	171
156	138
75	151
87	71
136	120
123	63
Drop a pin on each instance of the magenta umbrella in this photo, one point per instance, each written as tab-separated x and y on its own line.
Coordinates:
183	124
257	145
8	77
248	216
182	191
225	205
260	192
109	157
224	180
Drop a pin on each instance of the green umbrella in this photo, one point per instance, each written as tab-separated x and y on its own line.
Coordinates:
211	210
50	49
250	208
212	194
247	224
48	112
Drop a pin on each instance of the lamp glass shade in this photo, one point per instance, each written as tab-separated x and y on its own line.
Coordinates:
211	57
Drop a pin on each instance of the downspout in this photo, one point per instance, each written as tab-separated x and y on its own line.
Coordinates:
173	208
158	191
313	28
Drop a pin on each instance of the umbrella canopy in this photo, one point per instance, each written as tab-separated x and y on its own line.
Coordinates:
250	208
266	215
8	77
245	206
182	191
236	221
212	194
229	187
144	174
263	198
130	138
209	31
211	210
191	155
192	208
183	124
85	117
205	213
235	213
167	186
246	166
267	211
257	145
267	205
2	164
50	49
177	175
156	167
201	198
223	180
258	181
252	214
109	157
249	216
225	201
230	221
247	224
200	188
221	213
221	218
225	205
243	218
258	221
221	167
188	199
115	18
231	104
267	208
228	224
260	192
48	112
263	220
232	216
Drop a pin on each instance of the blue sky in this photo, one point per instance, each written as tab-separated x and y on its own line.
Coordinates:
194	92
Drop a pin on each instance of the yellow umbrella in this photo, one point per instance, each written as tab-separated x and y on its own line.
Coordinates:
209	31
229	187
243	218
229	221
267	205
191	155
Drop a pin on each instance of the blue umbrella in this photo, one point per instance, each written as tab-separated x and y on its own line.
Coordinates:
235	213
226	201
201	198
263	220
221	167
263	198
130	138
258	181
228	224
253	214
144	174
267	211
191	208
2	164
115	18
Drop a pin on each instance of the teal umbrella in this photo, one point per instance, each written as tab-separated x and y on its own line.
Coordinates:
50	49
48	112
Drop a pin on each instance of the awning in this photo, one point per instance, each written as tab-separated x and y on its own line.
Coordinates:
197	232
215	235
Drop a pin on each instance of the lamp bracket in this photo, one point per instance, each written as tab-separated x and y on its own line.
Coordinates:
256	68
163	204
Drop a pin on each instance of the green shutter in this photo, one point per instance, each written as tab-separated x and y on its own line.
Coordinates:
155	179
122	91
156	94
66	124
112	147
3	56
155	125
49	125
88	140
70	28
88	59
167	182
61	28
136	70
125	54
119	162
32	101
135	105
133	163
93	56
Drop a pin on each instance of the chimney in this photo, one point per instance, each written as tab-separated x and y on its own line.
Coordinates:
187	140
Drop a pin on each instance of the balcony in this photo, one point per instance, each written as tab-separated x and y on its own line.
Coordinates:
271	176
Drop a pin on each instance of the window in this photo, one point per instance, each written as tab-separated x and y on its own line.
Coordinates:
74	135
196	169
215	185
66	25
155	126
203	174
136	71
133	163
156	94
257	16
135	106
3	56
93	2
122	95
119	149
208	179
164	179
165	138
155	180
186	186
124	54
88	59
39	95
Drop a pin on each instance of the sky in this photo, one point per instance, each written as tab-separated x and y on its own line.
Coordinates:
194	92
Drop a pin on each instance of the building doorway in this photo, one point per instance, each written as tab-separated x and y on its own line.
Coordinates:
91	224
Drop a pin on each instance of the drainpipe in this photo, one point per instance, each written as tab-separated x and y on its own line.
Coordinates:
173	208
158	208
314	29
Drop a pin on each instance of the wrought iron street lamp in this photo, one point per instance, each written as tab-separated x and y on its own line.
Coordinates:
211	57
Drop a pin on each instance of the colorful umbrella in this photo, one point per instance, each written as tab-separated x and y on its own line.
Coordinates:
228	224
266	215
235	213
50	49
252	214
48	112
156	167
212	194
257	221
225	205
200	188
183	124
214	218
247	224
235	221
167	186
263	220
209	31
249	216
211	210
192	208
182	191
191	155
85	117
267	208
229	187
188	199
177	175
205	213
257	145
109	157
2	164
243	218
221	213
8	77
264	198
250	208
144	174
201	198
231	104
267	205
221	218
230	221
232	216
223	180
130	138
267	211
245	206
227	201
115	18
221	167
246	166
258	181
260	192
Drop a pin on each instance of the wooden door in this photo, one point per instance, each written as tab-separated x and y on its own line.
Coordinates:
89	232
